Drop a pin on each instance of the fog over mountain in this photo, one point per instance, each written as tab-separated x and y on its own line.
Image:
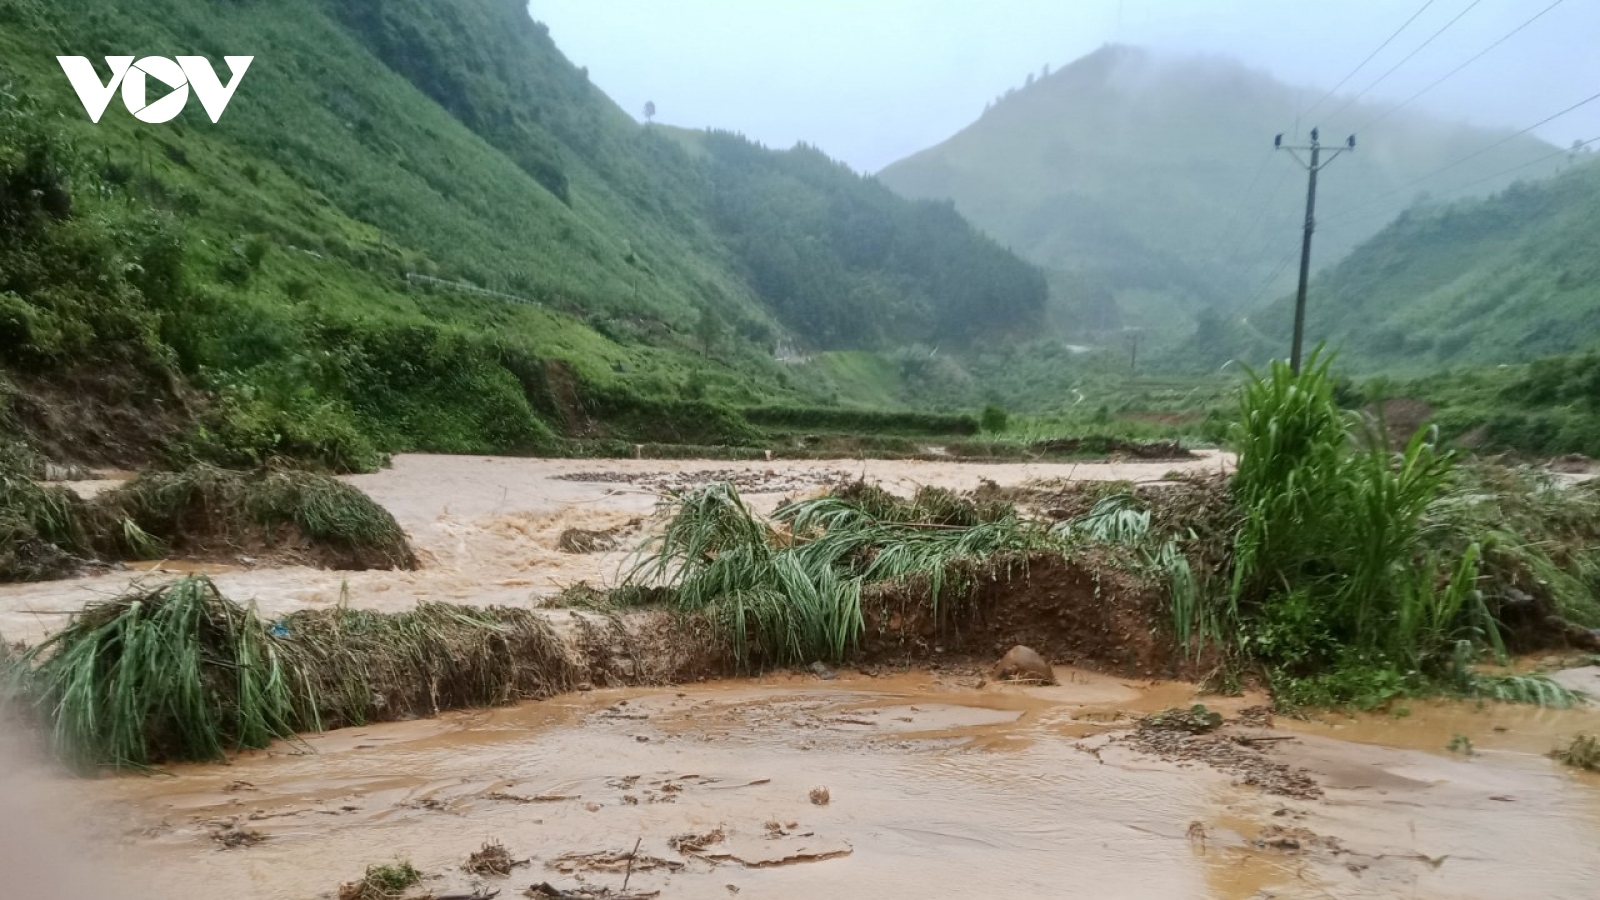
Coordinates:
875	82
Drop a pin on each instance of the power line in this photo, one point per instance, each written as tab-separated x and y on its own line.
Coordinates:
1392	69
1265	285
1479	55
1459	189
1471	156
1238	205
1370	56
1265	207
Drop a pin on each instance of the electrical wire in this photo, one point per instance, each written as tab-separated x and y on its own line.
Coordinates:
1343	81
1471	156
1479	55
1396	67
1345	218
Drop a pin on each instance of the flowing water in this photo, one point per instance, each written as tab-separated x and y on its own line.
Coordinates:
937	785
487	528
936	788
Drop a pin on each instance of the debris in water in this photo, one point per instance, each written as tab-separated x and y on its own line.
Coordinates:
1582	753
1292	838
1170	736
1195	720
820	796
539	798
230	836
745	480
581	540
492	859
692	843
610	861
547	891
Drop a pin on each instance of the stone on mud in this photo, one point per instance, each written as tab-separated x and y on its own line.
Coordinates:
1023	664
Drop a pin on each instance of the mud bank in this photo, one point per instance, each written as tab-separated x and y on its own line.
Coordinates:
935	788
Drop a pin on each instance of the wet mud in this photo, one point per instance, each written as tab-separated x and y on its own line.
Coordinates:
932	787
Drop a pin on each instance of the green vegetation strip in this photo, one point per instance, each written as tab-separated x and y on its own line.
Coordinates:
1345	572
179	672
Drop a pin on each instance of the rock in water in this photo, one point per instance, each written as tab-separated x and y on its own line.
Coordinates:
1022	664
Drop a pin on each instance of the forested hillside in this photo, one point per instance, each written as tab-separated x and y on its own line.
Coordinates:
1152	182
418	226
1501	280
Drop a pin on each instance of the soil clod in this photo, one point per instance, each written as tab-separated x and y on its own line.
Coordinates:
1023	664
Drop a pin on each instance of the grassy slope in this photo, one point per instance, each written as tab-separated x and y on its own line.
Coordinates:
1501	280
371	141
1141	175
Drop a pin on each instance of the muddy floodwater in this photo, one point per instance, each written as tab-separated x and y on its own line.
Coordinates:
935	787
487	528
938	784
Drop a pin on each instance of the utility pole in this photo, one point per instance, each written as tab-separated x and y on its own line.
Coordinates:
1313	167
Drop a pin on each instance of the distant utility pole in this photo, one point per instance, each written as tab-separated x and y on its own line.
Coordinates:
1316	165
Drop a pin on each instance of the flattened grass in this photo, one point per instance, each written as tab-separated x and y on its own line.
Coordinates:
789	591
42	528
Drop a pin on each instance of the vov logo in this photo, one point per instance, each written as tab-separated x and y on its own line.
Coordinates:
134	77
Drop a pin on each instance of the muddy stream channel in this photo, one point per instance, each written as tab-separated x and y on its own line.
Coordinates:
929	784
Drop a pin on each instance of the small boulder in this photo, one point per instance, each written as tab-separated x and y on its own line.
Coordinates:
1023	664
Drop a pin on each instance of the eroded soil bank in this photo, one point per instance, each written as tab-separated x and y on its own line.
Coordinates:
936	787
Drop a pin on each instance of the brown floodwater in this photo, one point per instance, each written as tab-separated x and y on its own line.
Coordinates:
487	528
936	788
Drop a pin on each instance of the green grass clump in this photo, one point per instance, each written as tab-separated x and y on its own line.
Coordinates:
790	591
179	672
382	882
1582	752
173	672
42	528
1361	573
204	509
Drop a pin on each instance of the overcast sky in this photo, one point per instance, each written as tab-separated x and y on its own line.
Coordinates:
871	81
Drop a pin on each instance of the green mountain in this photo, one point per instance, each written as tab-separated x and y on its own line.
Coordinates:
1505	279
1150	187
418	226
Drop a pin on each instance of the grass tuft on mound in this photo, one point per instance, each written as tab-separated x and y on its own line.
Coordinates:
41	528
205	510
367	666
180	672
172	672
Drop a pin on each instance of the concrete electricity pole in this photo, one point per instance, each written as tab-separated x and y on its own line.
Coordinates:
1316	165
